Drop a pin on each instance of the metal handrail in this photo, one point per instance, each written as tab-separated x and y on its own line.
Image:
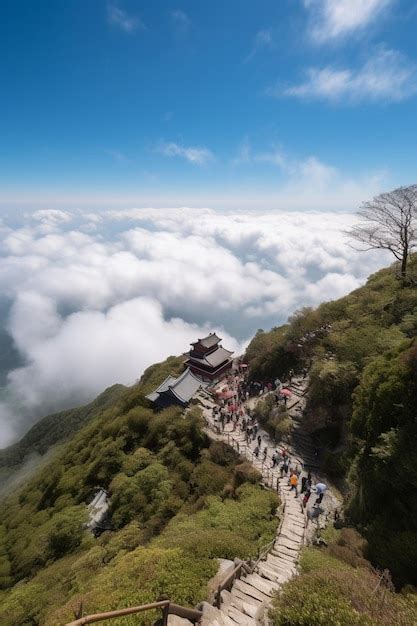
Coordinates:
168	608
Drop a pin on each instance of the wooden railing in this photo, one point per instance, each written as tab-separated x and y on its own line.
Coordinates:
167	607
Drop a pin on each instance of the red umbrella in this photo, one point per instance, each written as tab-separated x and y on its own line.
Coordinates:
286	392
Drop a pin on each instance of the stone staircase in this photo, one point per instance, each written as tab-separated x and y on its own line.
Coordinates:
250	595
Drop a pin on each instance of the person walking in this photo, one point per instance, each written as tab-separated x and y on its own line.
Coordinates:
256	451
320	489
294	483
265	452
306	497
259	440
303	483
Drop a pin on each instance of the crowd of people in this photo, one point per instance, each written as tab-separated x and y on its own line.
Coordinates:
233	407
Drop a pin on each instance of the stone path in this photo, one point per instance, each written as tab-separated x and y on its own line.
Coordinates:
246	603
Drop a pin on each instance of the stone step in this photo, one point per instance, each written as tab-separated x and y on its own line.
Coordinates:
238	617
266	570
174	620
244	605
257	605
284	553
292	533
214	617
251	591
291	540
279	564
265	586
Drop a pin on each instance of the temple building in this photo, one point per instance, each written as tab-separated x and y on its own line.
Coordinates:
208	360
176	390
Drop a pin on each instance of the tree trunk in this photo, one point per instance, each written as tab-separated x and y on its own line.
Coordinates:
404	264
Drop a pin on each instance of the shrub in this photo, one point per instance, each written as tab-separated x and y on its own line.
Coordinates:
245	472
348	597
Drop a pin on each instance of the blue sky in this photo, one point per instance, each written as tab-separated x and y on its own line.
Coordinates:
267	104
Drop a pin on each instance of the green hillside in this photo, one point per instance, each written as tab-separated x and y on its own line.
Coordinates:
57	427
362	410
178	502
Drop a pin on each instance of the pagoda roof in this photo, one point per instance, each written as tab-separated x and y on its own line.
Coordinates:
208	342
182	388
215	358
169	380
186	386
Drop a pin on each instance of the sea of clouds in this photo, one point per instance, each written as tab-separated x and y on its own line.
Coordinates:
91	299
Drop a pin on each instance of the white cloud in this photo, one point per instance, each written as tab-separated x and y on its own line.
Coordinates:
89	310
332	19
307	173
180	20
52	217
387	76
196	155
120	18
263	39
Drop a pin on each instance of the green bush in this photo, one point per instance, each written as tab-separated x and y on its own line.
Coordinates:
345	597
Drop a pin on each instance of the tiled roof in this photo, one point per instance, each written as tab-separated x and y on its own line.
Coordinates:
214	358
186	386
183	388
162	387
208	342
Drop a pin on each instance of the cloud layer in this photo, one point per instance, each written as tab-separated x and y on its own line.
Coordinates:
333	19
95	298
196	155
386	76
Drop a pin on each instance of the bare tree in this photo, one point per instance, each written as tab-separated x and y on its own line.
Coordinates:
389	222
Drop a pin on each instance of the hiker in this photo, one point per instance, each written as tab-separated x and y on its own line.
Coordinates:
294	483
282	469
286	466
306	497
265	452
290	375
274	459
303	483
259	440
256	451
314	512
320	489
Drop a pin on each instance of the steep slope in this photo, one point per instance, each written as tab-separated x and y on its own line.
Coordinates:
361	410
57	427
177	503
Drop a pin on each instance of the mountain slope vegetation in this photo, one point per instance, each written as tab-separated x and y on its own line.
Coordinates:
177	503
361	351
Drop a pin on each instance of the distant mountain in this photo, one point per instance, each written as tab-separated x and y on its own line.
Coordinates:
57	428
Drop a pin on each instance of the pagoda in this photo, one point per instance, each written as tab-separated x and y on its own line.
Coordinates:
208	359
177	391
